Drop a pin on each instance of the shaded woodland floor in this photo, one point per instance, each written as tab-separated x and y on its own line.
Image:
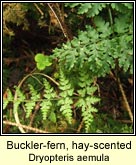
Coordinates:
21	62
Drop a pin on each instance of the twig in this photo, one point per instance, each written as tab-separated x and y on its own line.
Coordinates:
61	26
34	114
127	107
125	101
50	78
125	121
25	127
80	126
38	8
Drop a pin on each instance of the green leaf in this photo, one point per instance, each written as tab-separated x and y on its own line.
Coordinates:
84	8
45	108
52	117
5	103
42	61
29	107
80	103
92	100
8	99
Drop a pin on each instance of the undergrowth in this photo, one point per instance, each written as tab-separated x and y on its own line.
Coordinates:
69	96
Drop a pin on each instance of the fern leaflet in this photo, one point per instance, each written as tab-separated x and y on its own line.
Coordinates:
18	99
47	104
65	101
31	103
8	98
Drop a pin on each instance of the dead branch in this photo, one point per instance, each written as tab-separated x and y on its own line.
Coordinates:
36	130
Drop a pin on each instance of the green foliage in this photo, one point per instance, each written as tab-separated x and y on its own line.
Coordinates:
42	61
7	99
122	7
56	103
105	44
93	9
86	98
97	51
32	102
90	9
104	123
47	105
66	93
99	48
18	99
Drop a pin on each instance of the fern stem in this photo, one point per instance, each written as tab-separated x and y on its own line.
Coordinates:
50	78
37	79
110	15
16	112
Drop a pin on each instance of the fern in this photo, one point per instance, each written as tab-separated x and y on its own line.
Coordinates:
86	98
47	105
90	9
128	5
122	7
32	101
93	53
8	98
93	9
96	48
65	101
90	49
18	99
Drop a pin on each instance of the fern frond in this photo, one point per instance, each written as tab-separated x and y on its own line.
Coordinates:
65	108
18	99
8	98
49	96
86	98
65	102
128	5
122	7
90	9
45	108
32	102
